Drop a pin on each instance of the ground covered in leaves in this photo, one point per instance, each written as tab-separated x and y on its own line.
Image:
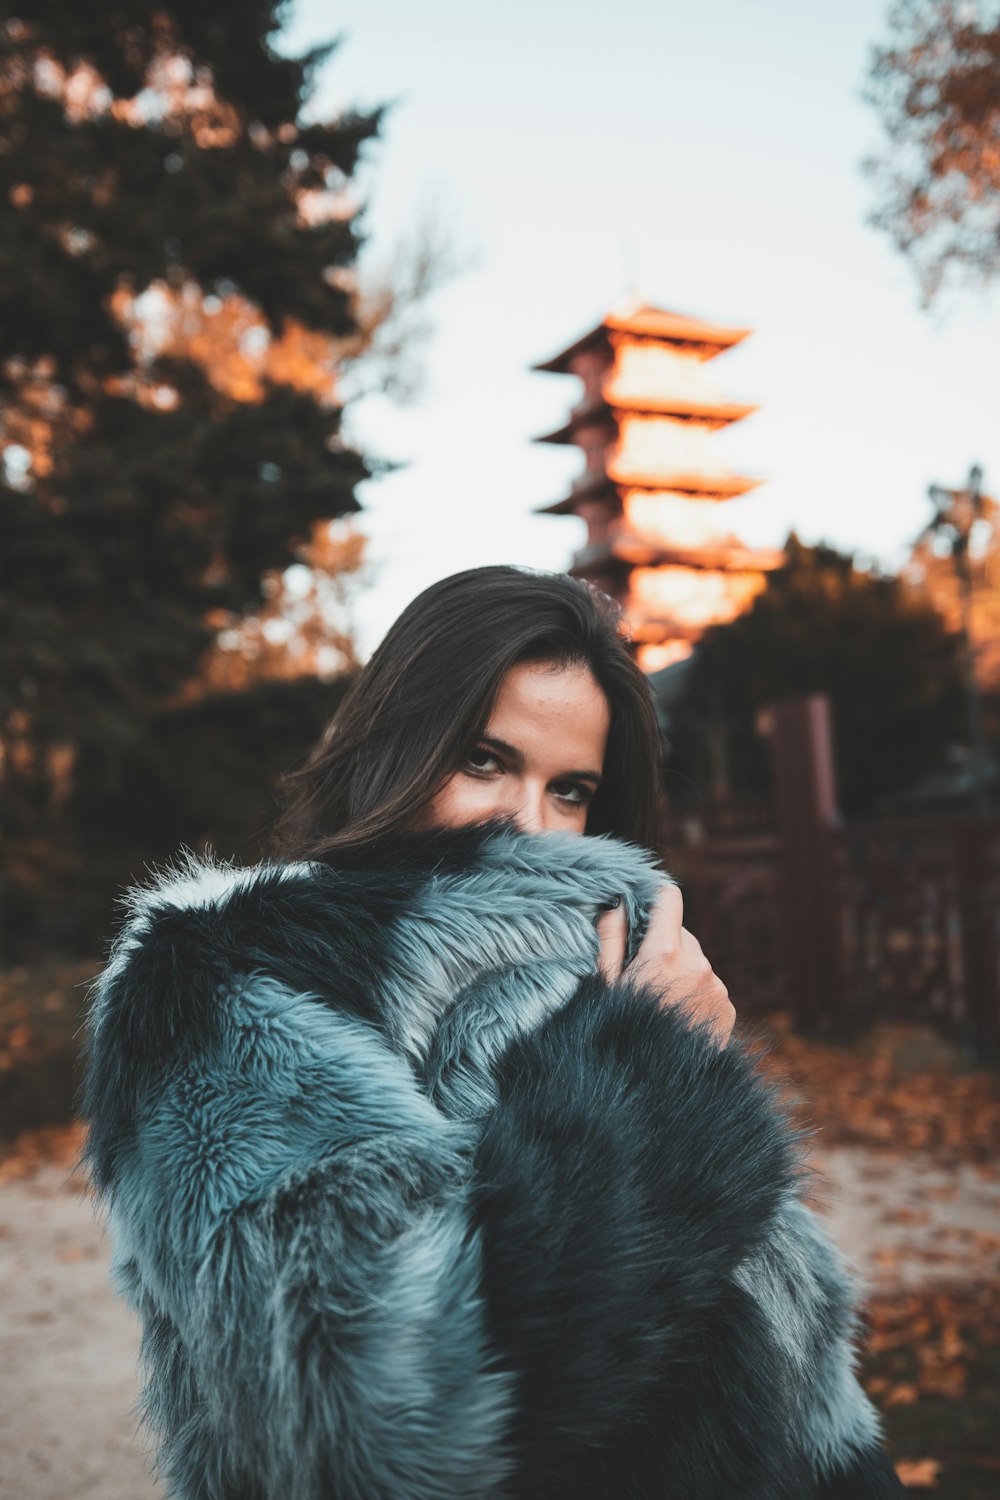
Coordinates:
898	1089
40	1047
932	1364
932	1350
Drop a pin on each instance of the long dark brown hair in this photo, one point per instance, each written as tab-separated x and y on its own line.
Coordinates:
415	710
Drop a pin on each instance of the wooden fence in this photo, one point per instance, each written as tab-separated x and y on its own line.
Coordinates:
843	924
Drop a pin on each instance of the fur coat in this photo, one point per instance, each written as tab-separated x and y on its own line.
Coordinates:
414	1205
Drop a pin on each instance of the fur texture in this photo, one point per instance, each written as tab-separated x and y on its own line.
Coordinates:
413	1205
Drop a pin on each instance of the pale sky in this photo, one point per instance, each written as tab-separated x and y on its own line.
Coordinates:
707	156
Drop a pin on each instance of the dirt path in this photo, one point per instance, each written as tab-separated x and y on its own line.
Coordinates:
67	1352
67	1362
907	1222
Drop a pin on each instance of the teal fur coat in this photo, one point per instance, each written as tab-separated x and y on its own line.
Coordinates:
414	1205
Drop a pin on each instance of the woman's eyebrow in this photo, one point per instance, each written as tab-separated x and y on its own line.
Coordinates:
511	751
514	754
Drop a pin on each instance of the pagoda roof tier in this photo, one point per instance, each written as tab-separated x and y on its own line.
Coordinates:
722	558
610	407
720	412
644	321
588	412
721	486
601	485
593	485
631	551
652	630
598	558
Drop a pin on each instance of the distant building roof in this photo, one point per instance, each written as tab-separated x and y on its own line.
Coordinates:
596	484
609	408
723	557
642	320
689	482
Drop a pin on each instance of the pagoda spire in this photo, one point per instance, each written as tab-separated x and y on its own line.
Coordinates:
652	486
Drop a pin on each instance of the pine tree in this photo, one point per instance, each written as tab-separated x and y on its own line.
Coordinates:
143	498
157	177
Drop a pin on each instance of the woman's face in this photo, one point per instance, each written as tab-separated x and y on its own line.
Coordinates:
540	758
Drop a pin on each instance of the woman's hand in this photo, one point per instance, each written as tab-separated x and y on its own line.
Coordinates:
669	958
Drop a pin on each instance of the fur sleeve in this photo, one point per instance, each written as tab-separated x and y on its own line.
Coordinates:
801	1284
290	1220
677	1318
627	1170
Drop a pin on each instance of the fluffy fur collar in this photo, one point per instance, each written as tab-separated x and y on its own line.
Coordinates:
413	1205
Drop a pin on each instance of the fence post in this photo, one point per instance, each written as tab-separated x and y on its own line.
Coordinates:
806	805
978	898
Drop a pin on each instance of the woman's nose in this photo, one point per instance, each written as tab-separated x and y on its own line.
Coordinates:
528	812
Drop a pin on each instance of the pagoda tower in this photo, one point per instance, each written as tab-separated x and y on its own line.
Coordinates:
651	491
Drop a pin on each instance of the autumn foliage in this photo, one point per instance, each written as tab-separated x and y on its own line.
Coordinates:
899	1091
936	86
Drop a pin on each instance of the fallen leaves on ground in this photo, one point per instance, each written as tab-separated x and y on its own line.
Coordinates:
931	1363
41	1043
930	1356
56	1145
897	1090
39	1010
919	1473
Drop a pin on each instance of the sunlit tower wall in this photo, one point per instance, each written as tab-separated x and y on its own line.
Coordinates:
651	492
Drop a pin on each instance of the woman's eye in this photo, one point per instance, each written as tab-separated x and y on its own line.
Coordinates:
475	759
572	791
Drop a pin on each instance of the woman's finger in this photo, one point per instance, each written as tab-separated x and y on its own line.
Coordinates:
671	959
711	1006
666	923
612	931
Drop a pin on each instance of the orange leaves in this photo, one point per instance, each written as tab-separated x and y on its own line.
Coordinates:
57	1144
19	1037
871	1093
945	1193
901	1395
925	1342
39	1012
931	1360
40	1043
919	1473
906	1215
229	338
910	1141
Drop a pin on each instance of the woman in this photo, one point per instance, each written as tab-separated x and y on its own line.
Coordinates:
427	1163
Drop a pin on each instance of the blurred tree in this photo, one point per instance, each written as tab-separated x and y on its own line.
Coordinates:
154	160
182	315
931	570
936	87
886	658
